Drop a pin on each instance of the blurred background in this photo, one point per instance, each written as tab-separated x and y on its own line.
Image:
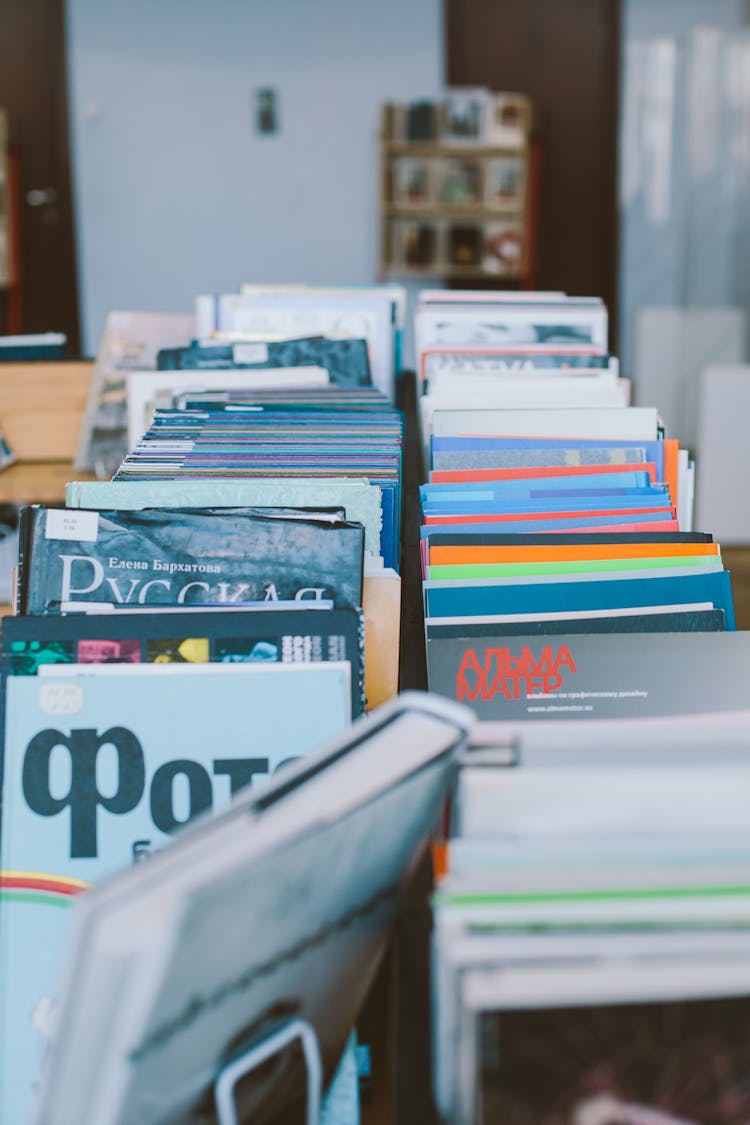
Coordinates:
170	147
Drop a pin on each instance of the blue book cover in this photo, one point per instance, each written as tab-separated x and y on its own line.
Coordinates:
346	360
636	478
281	632
457	537
473	452
581	504
552	597
480	524
102	767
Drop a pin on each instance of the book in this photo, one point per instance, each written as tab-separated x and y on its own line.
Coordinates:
382	609
327	827
491	324
238	636
146	751
278	441
688	621
539	596
144	389
360	500
340	314
130	341
32	347
159	556
346	361
589	674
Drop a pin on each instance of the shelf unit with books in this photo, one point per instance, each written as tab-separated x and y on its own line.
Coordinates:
461	209
35	479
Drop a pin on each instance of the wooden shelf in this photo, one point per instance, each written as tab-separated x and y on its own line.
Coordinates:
519	215
438	271
452	211
422	150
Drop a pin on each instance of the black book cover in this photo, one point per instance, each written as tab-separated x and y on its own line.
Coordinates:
346	361
455	538
421	121
287	636
692	621
185	556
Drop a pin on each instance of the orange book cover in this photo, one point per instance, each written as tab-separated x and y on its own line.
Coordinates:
671	454
460	556
381	602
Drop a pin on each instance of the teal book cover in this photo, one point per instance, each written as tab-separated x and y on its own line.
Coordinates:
102	767
361	500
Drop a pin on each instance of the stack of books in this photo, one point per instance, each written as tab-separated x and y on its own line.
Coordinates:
225	605
591	932
556	519
591	916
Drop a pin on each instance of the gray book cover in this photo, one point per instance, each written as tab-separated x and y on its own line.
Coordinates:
598	676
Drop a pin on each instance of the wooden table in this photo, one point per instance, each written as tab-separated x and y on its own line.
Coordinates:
40	482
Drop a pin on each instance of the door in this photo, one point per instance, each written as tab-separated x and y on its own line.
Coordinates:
33	91
565	55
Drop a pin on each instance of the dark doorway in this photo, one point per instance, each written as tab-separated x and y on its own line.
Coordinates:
565	55
33	91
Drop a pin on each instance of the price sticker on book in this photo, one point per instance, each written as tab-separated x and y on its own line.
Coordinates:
61	699
250	353
80	526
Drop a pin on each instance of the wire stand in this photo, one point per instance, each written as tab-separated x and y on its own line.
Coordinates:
224	1087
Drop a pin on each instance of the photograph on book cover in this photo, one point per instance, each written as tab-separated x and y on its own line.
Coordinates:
464	244
666	1063
503	248
464	116
459	182
508	120
415	244
505	182
412	184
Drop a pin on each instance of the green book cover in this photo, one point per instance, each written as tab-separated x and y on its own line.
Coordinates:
571	566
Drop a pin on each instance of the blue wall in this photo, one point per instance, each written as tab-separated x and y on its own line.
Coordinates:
175	191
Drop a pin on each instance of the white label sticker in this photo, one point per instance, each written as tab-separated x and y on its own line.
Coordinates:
60	699
250	353
82	527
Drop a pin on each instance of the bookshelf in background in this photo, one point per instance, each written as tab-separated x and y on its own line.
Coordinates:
459	189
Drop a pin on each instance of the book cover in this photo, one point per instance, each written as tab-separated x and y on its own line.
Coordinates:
597	676
237	636
346	361
541	597
101	768
360	500
678	563
158	556
689	621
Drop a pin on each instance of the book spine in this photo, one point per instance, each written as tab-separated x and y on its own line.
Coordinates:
25	523
358	669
